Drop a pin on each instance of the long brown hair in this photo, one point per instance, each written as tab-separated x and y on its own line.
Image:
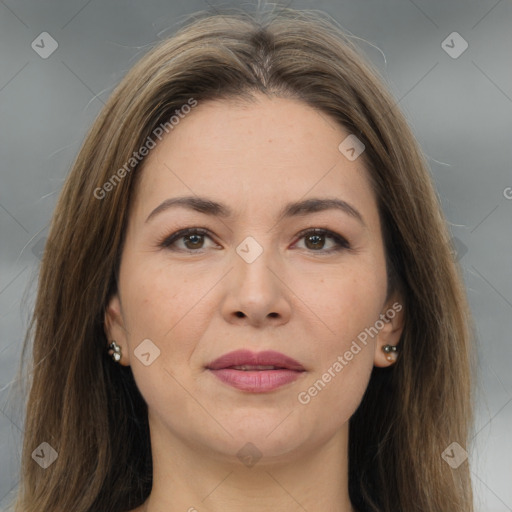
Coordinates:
89	409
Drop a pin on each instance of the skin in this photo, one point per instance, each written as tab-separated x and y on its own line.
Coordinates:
295	298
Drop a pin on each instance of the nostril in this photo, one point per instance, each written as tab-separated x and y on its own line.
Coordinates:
239	314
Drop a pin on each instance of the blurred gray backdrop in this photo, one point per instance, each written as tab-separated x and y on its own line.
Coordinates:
448	64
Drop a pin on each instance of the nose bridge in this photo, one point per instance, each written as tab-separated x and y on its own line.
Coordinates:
254	260
256	289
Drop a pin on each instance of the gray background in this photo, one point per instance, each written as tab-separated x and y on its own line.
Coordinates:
460	109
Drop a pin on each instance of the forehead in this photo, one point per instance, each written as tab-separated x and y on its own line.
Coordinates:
254	156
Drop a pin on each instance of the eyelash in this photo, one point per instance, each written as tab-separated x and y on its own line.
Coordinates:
342	243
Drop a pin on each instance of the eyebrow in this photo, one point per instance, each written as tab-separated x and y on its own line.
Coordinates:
294	209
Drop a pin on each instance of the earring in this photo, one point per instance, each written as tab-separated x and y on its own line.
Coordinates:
388	349
116	351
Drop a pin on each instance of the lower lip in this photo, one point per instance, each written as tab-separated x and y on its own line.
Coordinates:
256	381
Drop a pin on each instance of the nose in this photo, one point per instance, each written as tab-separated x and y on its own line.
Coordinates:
257	292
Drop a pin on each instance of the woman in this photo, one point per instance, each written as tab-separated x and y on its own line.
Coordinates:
248	298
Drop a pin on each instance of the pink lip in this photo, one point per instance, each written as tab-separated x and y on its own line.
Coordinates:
256	381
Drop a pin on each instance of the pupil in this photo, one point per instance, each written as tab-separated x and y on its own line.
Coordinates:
317	239
196	237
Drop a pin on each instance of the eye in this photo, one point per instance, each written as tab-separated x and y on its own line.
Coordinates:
315	240
193	239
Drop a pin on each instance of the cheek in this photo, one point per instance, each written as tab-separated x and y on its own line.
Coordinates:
332	396
154	298
167	306
346	301
163	306
353	311
343	364
348	304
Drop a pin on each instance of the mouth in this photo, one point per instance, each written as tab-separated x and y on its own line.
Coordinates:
256	372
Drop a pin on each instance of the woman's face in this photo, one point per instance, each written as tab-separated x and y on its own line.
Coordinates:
256	281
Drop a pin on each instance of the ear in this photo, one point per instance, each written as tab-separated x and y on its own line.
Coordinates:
393	318
115	328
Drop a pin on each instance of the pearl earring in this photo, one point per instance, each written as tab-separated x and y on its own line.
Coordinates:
388	349
116	351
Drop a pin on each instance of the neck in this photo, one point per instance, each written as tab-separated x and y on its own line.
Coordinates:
190	478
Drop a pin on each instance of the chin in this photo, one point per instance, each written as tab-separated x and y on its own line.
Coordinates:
269	440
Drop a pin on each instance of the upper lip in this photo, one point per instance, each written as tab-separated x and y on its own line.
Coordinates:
246	357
